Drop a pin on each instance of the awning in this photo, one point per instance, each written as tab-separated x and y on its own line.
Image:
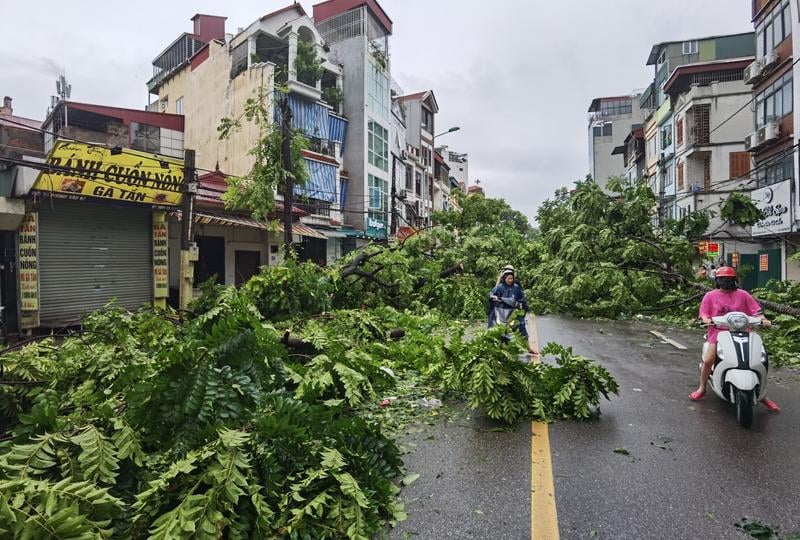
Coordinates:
331	234
206	217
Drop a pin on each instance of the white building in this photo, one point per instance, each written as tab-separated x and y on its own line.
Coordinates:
357	33
610	120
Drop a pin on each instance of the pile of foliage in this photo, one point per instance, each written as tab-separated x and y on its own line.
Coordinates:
143	426
495	375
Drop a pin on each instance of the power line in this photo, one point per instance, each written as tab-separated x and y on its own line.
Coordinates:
745	105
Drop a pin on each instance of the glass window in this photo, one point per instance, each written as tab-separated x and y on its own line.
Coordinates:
607	130
775	101
378	90
179	105
378	198
760	44
597	131
378	145
788	97
689	47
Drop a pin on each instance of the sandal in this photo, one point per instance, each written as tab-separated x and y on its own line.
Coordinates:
697	395
771	405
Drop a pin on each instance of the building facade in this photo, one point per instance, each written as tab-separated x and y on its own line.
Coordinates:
771	139
357	34
213	80
610	121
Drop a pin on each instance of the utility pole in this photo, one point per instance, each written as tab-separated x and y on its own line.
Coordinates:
394	197
188	257
286	155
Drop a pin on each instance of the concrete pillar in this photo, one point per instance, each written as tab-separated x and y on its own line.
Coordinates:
318	49
251	50
292	55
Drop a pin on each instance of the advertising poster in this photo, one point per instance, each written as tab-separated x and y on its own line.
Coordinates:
160	257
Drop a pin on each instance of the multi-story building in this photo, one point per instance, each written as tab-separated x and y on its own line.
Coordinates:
772	140
443	183
357	33
710	102
97	219
632	152
459	166
659	125
21	141
209	75
610	121
421	109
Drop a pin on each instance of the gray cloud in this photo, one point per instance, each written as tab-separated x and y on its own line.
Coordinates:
516	76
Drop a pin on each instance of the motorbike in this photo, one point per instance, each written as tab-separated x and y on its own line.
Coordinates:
504	309
739	374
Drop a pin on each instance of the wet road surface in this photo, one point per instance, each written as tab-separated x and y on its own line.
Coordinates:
689	471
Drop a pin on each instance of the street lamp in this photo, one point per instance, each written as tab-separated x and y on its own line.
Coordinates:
452	129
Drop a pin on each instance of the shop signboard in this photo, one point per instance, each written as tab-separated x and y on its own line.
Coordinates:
82	171
775	203
160	258
28	257
376	227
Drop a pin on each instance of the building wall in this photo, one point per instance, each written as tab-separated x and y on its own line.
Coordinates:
602	164
352	55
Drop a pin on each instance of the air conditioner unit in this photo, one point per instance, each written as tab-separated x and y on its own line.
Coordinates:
752	72
750	141
767	133
769	59
402	194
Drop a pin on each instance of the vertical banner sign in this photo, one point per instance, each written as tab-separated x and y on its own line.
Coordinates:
763	263
735	259
28	263
160	259
29	270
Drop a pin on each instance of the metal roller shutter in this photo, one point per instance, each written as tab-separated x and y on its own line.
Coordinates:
89	254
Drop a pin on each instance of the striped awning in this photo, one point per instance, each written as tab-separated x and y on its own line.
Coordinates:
206	217
321	183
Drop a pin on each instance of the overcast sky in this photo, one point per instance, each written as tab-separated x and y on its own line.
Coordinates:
516	75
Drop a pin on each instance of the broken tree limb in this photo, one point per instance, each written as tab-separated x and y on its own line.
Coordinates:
783	309
299	345
453	270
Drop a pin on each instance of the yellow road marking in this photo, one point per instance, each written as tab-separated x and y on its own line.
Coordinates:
544	518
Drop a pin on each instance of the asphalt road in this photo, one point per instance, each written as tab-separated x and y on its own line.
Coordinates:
689	472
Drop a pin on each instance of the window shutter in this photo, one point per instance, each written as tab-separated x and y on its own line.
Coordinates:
739	164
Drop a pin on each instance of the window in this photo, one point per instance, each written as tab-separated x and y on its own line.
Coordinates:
662	57
666	137
689	47
378	90
775	101
607	129
409	178
668	178
597	131
615	107
679	131
378	198
776	171
427	120
739	163
418	183
145	138
770	32
680	175
179	105
378	145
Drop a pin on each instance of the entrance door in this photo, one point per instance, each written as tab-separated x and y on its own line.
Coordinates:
212	260
247	263
769	266
747	272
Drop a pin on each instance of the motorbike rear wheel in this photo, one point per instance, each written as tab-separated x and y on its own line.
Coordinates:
744	408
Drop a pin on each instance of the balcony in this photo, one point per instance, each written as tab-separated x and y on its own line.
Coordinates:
175	56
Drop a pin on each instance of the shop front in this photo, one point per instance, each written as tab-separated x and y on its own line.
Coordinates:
95	232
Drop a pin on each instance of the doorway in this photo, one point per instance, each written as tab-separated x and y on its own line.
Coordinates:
212	260
246	265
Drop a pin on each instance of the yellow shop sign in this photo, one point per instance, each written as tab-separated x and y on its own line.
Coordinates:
83	170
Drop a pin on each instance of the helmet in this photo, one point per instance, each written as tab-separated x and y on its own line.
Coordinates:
508	267
506	273
725	271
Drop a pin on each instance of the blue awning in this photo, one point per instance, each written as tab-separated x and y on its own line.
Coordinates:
337	129
309	117
321	183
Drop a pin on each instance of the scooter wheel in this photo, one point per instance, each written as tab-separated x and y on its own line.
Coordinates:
744	408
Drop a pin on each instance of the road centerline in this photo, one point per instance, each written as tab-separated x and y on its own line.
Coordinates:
544	517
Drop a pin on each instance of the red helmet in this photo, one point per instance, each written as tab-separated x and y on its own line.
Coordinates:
725	271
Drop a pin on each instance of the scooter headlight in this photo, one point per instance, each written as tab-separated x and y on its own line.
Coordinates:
737	323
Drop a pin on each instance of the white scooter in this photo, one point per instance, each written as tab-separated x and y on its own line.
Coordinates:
739	375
